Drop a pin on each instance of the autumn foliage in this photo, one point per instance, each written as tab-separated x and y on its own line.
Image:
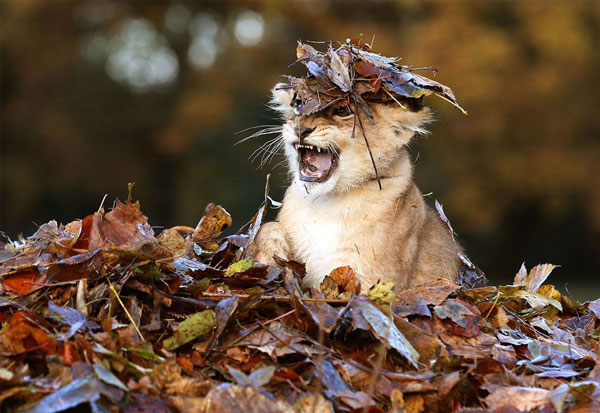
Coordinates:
104	314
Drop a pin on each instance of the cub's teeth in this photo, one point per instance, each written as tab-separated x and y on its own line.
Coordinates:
309	147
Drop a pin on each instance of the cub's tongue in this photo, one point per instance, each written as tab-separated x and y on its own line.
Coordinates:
314	165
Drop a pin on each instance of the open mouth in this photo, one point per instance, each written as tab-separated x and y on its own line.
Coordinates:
315	164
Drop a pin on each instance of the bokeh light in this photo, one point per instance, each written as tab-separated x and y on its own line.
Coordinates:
249	28
140	57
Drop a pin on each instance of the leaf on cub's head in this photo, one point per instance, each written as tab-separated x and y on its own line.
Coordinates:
352	72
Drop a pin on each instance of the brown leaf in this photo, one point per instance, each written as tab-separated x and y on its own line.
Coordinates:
414	403
231	398
427	345
212	224
410	303
310	403
370	70
464	320
74	268
223	312
433	293
346	279
173	241
322	314
124	228
519	398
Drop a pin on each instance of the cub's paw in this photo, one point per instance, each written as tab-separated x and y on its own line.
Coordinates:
269	242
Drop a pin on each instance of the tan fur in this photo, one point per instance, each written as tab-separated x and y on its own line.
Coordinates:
388	234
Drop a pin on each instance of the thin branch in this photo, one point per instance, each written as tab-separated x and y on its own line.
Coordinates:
278	298
369	148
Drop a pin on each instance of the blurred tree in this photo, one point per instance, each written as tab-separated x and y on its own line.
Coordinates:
98	94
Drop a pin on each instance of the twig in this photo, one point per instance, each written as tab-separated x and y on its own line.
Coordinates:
102	203
493	305
114	291
320	360
396	100
354	120
183	228
278	298
362	129
280	317
571	298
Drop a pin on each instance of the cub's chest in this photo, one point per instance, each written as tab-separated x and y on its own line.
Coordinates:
326	232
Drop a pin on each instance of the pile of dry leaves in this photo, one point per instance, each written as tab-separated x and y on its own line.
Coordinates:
102	315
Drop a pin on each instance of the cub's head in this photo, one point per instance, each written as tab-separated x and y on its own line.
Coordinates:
327	152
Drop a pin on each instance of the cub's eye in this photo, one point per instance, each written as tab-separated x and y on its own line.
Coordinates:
342	111
297	105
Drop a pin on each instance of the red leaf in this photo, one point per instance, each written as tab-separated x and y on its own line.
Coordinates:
23	282
22	336
368	70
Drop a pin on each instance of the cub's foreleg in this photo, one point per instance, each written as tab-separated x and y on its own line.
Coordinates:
270	241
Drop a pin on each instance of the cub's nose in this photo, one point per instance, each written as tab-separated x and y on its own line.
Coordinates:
302	132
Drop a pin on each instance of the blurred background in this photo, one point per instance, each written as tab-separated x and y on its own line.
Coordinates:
96	94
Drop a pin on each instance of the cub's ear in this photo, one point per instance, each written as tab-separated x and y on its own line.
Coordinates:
281	101
405	120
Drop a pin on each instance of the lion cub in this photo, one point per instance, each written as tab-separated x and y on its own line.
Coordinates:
334	213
